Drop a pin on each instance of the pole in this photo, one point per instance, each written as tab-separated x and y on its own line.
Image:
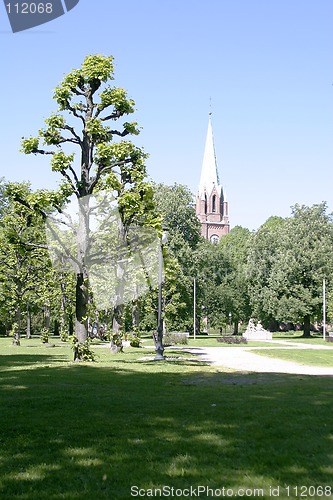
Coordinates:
194	309
324	309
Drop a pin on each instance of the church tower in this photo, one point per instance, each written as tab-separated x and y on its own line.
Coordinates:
211	207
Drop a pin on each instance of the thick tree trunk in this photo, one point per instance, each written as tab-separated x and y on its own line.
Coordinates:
116	344
66	321
121	266
81	292
135	314
70	326
81	303
117	321
56	329
47	317
28	335
306	332
17	334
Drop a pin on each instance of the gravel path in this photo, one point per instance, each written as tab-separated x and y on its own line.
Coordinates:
242	359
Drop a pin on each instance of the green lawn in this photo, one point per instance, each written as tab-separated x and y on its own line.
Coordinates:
297	336
312	340
211	341
302	356
91	431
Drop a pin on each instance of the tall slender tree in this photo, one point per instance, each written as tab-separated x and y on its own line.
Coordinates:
87	105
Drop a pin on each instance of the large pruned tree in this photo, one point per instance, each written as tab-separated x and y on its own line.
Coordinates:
88	108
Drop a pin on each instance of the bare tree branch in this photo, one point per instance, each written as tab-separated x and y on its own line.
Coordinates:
43	152
72	131
73	186
75	112
121	134
113	116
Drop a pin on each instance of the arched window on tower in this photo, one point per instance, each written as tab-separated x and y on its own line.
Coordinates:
214	203
205	203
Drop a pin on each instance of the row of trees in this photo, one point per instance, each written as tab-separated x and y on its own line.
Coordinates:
274	274
33	293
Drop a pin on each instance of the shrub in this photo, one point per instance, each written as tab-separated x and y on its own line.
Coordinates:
82	351
116	343
134	340
44	335
231	339
15	334
63	335
173	338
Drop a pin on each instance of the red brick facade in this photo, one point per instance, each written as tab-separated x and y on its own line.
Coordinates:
212	212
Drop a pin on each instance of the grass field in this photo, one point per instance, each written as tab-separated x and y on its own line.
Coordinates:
302	356
292	337
93	431
212	342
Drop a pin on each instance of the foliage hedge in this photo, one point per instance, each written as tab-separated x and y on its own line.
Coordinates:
173	338
231	339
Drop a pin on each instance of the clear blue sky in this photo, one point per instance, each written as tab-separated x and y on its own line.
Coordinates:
266	64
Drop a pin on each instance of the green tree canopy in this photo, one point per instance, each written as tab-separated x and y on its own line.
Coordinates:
289	260
176	206
26	277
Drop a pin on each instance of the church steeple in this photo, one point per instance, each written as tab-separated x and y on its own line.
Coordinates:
209	174
211	207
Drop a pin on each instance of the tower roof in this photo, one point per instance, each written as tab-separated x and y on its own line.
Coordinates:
209	174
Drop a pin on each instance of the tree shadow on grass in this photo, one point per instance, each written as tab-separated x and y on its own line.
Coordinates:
86	431
29	359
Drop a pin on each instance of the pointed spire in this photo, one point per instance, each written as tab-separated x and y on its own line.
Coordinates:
209	174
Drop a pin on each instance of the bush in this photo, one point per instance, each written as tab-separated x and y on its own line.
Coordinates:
231	339
14	332
63	335
116	343
134	340
82	351
173	338
44	335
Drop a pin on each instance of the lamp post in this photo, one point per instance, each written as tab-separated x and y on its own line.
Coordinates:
230	321
159	348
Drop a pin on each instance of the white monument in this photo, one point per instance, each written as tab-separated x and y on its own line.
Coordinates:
255	331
